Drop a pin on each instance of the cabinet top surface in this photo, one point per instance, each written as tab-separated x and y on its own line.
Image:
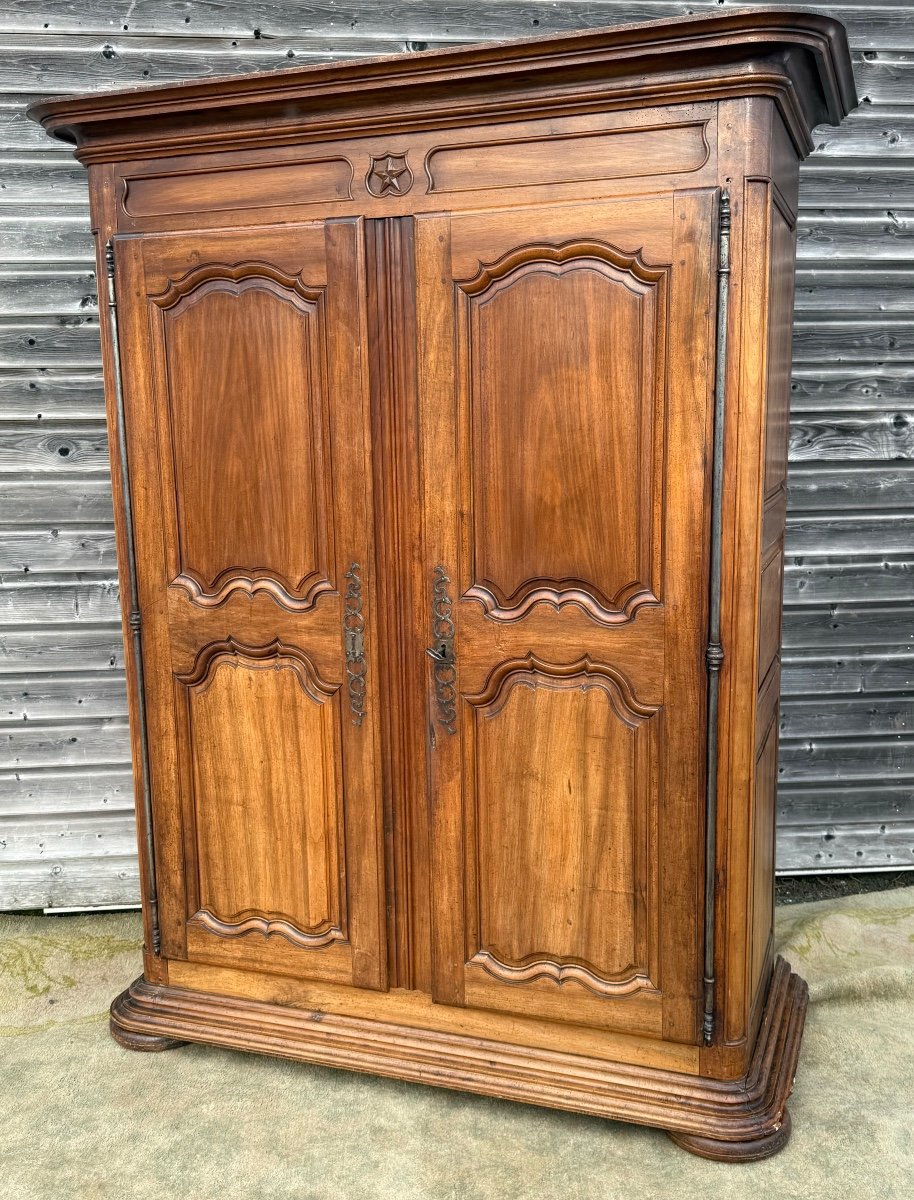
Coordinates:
800	58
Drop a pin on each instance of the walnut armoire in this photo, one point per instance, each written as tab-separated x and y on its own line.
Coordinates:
448	409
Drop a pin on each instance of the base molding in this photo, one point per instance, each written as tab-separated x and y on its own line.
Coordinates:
733	1120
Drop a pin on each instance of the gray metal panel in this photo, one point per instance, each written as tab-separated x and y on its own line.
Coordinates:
846	798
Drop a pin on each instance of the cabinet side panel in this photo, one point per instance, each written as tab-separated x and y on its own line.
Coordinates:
780	326
766	771
744	433
760	168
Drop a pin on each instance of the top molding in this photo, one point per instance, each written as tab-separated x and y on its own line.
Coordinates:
801	59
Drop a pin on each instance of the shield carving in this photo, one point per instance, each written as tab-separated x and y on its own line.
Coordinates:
389	175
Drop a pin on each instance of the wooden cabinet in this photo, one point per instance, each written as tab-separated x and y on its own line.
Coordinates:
447	401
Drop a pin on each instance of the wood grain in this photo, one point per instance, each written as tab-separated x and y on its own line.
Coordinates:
50	243
746	1110
558	485
493	421
252	731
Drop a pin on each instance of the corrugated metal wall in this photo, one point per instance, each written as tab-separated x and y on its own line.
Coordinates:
847	758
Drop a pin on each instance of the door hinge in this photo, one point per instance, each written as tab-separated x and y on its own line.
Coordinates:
714	652
134	620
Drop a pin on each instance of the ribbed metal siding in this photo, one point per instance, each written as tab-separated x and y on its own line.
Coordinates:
847	758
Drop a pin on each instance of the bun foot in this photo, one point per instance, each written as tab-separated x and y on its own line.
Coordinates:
142	1041
130	1039
749	1151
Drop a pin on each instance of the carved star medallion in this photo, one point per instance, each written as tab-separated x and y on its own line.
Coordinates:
389	175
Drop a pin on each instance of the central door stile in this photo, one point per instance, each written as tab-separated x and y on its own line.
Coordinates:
392	349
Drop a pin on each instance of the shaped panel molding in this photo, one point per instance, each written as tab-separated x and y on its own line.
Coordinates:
576	252
266	926
243	356
532	671
262	796
233	273
534	968
553	336
565	761
573	156
275	655
299	597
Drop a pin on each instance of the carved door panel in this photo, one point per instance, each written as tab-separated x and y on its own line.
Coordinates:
248	439
565	406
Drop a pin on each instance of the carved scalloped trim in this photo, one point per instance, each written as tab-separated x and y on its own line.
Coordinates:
615	610
532	671
253	922
560	973
303	596
235	654
177	289
562	256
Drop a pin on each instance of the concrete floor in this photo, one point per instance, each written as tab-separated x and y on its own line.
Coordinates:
86	1120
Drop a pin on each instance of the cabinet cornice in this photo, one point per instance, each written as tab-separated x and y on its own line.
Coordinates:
800	59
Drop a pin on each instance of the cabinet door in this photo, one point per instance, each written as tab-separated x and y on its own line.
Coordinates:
250	469
566	400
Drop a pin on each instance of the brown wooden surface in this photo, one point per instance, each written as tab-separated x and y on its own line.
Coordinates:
845	757
733	1116
751	147
803	55
416	1009
473	356
573	776
267	790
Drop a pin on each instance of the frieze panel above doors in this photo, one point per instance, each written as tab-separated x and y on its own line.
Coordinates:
563	157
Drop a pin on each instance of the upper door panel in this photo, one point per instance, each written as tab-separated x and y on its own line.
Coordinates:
244	350
557	420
